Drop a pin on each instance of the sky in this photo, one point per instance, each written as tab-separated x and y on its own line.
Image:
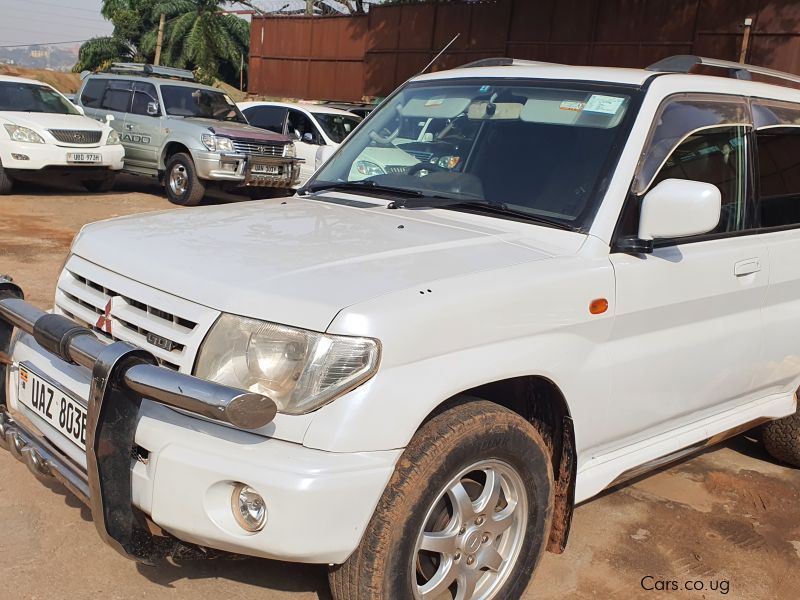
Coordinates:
27	22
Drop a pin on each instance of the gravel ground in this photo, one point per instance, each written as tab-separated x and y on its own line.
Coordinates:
728	518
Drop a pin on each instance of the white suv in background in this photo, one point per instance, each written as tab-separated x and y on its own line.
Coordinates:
43	132
317	130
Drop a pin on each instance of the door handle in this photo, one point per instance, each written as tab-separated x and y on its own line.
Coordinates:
129	126
746	267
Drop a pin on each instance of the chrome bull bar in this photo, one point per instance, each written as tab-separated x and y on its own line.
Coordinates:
122	375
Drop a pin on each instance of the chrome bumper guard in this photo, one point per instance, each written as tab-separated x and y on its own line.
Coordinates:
122	375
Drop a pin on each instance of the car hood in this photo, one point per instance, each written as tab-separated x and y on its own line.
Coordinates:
45	121
239	130
300	261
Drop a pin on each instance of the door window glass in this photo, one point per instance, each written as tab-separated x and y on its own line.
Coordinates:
144	94
299	125
92	93
717	156
266	117
679	117
118	96
779	176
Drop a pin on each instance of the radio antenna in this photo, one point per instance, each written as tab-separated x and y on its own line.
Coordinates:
442	51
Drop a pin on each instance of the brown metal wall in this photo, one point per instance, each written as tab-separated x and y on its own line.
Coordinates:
346	58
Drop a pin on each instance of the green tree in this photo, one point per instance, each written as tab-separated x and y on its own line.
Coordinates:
132	19
199	35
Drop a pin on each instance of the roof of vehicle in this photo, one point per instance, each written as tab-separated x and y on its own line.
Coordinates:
23	80
682	79
308	106
154	80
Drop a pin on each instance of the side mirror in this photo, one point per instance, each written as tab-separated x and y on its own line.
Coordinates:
296	135
308	138
109	118
152	109
679	208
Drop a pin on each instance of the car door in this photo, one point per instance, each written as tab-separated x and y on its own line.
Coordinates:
307	139
687	339
143	127
778	212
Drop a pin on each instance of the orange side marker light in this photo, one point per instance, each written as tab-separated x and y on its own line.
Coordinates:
598	306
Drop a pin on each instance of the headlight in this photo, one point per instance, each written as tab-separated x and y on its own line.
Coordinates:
300	370
289	150
23	134
113	138
365	167
216	144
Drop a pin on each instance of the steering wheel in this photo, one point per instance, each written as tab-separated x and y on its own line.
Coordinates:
424	166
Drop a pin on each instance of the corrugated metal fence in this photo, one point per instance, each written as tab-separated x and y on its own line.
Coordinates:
347	58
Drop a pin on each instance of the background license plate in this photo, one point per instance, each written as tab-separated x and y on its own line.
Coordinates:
82	157
53	405
267	169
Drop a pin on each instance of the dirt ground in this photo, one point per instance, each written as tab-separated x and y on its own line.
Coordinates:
727	520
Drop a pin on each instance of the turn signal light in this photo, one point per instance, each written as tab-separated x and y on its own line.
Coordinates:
598	306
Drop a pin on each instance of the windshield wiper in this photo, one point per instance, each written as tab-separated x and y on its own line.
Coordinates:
363	185
497	208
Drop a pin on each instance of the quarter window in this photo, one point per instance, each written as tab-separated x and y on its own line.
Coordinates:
92	93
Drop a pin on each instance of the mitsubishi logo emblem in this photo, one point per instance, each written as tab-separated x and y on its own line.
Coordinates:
104	322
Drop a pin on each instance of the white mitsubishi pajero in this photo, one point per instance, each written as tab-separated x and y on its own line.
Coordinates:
415	376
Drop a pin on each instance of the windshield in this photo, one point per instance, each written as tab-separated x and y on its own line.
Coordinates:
533	148
183	101
337	127
31	97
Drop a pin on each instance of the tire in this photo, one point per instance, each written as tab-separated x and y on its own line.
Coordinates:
99	186
782	439
183	186
6	183
457	450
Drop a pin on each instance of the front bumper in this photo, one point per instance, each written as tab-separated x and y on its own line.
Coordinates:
238	169
318	503
44	156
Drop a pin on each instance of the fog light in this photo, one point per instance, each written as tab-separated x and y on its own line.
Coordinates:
249	508
229	167
20	156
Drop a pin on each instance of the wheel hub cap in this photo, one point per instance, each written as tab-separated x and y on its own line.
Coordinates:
472	535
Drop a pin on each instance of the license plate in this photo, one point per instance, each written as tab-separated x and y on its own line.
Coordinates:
83	157
266	169
53	405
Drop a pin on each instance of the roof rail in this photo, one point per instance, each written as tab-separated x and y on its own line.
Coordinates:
502	61
147	70
683	63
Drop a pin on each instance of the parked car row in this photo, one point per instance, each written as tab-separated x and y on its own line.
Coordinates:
159	122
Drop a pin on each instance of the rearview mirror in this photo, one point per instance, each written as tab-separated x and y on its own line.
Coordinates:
679	208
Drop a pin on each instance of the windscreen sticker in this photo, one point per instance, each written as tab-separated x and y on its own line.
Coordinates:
608	105
573	105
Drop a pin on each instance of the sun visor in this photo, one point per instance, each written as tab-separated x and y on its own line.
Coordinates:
435	107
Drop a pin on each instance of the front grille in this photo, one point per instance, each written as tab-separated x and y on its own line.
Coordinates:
421	156
76	136
258	148
172	338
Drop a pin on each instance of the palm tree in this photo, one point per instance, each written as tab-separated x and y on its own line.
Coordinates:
198	34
